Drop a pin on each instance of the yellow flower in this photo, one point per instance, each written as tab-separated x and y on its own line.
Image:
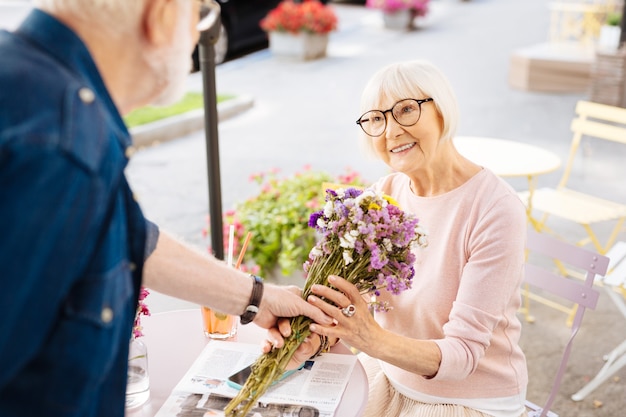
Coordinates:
391	200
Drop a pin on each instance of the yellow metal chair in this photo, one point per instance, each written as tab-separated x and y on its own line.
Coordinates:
597	122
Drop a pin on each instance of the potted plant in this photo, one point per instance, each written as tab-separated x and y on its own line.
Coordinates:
277	219
300	29
610	32
399	14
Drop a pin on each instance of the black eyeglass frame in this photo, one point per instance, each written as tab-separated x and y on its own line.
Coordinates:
384	112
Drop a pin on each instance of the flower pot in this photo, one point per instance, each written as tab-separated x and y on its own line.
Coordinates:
138	384
609	38
302	45
398	20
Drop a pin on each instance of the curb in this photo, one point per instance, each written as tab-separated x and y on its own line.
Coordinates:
183	124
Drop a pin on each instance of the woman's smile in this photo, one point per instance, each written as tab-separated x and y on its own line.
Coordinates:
403	148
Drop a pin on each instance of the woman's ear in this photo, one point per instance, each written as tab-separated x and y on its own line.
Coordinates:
159	21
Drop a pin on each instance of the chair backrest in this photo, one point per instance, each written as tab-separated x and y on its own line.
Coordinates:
599	121
544	276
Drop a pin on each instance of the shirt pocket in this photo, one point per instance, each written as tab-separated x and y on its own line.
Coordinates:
102	298
91	338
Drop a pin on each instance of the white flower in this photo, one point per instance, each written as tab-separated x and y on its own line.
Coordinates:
347	257
320	222
316	251
328	208
348	239
367	193
387	244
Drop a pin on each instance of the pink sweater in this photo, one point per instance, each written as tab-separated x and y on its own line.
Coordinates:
466	289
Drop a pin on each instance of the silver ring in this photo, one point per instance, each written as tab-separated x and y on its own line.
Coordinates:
348	311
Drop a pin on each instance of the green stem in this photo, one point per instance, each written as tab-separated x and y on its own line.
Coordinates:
267	369
270	366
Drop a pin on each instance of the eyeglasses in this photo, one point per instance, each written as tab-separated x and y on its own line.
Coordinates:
406	112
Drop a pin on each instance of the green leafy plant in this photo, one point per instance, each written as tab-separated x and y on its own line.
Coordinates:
277	219
614	19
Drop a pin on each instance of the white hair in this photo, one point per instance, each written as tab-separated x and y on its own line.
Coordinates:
412	79
113	16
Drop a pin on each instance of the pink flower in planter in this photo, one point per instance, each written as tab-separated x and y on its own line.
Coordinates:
419	7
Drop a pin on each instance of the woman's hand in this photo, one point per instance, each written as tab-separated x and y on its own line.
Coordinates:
276	339
353	322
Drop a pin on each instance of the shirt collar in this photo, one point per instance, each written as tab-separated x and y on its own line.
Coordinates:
59	41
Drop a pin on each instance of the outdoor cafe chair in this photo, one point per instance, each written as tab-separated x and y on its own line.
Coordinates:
597	123
614	282
601	125
541	274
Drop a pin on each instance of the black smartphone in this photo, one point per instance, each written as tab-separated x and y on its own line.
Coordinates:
239	378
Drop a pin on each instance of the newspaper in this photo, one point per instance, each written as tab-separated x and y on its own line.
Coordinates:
315	390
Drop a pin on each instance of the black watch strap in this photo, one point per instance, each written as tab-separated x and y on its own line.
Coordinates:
255	300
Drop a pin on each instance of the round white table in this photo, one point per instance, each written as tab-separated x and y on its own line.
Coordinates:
507	158
175	339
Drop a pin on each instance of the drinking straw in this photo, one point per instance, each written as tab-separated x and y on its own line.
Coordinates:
231	243
243	250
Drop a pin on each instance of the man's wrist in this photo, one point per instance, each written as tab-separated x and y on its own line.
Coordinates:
255	300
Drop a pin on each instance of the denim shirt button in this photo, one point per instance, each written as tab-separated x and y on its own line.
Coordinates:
132	266
106	315
86	95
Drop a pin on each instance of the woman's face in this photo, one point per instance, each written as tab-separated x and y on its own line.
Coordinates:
409	148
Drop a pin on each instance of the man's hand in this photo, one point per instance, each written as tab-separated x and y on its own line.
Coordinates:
281	301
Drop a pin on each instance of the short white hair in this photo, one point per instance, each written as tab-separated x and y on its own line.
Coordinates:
412	79
114	16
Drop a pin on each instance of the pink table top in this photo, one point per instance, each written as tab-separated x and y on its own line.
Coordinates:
175	339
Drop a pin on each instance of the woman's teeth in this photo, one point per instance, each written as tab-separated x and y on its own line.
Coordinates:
403	147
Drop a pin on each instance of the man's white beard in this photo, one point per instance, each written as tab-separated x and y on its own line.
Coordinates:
173	76
170	68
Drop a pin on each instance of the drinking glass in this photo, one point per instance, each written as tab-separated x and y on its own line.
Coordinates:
218	325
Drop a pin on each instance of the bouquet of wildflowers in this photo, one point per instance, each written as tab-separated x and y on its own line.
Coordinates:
366	239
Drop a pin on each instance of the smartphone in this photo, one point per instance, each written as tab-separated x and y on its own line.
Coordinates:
238	379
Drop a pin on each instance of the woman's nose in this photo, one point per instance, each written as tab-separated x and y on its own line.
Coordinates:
392	126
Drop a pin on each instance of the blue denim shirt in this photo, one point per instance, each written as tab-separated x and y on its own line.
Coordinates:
71	236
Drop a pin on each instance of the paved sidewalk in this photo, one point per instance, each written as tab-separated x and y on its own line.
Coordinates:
304	112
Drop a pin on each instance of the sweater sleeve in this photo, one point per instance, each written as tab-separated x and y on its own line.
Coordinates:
489	288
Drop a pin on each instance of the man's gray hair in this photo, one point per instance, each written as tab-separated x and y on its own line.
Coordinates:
114	16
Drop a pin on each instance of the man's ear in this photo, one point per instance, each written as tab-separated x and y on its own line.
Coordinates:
159	21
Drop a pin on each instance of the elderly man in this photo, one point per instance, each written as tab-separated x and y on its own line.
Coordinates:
75	247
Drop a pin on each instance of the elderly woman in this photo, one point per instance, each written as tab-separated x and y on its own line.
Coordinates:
449	346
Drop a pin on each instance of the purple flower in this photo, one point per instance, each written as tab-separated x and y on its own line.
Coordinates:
313	219
366	240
